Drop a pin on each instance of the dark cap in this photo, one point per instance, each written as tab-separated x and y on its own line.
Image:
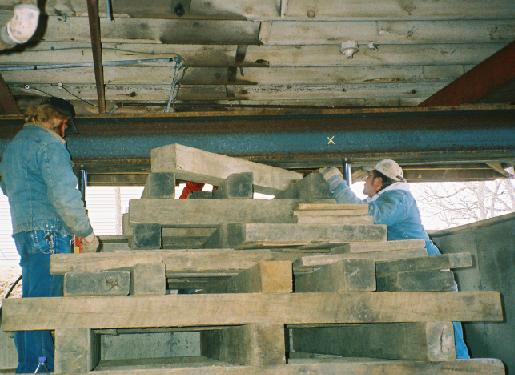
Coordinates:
66	108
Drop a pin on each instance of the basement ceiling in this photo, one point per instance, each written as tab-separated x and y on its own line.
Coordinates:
299	57
257	53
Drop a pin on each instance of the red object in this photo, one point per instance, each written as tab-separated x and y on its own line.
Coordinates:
77	245
190	188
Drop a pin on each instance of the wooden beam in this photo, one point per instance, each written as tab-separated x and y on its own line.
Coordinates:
251	308
8	104
193	164
477	83
96	46
210	212
331	366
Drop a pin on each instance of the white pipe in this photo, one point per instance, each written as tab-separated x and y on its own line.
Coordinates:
20	28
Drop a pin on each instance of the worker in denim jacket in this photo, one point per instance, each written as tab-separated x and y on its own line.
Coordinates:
390	202
46	210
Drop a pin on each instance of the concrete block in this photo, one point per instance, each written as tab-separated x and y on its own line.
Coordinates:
148	279
107	283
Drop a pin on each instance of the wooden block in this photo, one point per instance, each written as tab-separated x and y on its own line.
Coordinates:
201	195
248	308
320	259
264	277
346	275
126	226
236	186
250	235
105	283
310	189
427	341
251	344
113	243
441	262
210	212
333	219
431	281
148	279
192	164
364	247
77	350
145	236
193	261
159	185
361	208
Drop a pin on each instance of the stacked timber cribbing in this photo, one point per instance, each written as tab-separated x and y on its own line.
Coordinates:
296	284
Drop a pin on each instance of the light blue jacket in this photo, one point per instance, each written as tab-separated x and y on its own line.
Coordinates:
395	207
38	179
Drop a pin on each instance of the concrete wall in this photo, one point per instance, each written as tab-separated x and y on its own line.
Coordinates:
492	242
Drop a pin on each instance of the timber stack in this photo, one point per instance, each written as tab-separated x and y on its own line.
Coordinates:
295	284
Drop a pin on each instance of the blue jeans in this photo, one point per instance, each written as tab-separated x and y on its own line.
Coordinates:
35	249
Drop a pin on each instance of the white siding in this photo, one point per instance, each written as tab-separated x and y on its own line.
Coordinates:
8	251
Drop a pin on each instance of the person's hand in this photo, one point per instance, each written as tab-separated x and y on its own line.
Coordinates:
330	172
90	243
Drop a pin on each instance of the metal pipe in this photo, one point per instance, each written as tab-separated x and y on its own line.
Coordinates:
96	46
347	171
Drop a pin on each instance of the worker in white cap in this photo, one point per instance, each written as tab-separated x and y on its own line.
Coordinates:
390	202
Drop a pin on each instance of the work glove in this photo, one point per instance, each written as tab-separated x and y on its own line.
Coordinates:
332	176
90	243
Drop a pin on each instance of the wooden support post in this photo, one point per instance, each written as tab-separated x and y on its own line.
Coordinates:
77	350
159	185
427	341
254	345
148	279
346	275
106	283
264	277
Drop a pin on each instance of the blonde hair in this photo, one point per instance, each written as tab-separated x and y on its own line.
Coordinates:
43	113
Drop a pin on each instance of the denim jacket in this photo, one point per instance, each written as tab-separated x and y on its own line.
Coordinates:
394	206
38	179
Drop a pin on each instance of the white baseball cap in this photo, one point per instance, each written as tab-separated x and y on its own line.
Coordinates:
390	169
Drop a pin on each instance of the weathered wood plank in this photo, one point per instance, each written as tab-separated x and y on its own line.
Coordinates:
250	235
344	208
166	31
306	55
248	308
428	341
318	260
386	32
264	277
347	275
441	262
202	166
417	9
365	247
275	56
194	261
76	350
324	366
213	212
333	219
255	345
159	185
146	74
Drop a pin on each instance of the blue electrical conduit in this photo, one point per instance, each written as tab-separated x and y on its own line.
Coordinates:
6	68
